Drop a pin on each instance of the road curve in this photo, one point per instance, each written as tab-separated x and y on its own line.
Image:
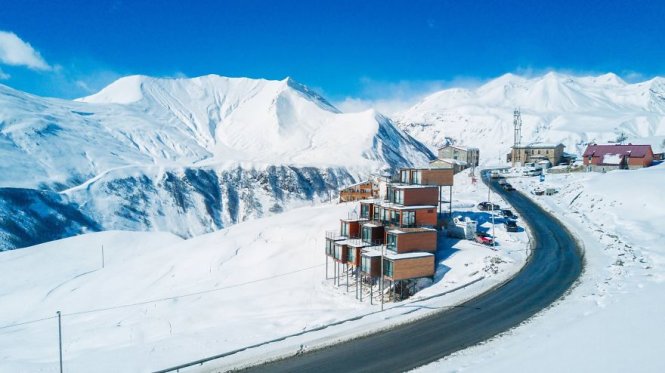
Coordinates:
555	265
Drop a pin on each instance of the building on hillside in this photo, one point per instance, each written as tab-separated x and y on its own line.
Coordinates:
465	154
535	153
362	190
456	165
394	238
617	157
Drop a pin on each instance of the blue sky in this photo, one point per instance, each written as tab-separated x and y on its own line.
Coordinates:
371	50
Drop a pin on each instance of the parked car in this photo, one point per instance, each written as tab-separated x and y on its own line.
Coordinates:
511	225
508	214
488	206
508	187
484	238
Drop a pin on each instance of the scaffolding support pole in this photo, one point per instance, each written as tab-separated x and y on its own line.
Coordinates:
346	269
361	288
326	267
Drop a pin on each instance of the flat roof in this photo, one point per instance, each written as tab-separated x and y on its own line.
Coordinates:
412	255
371	253
372	225
412	186
351	220
411	230
401	207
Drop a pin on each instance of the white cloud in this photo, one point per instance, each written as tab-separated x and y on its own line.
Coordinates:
392	97
16	52
4	75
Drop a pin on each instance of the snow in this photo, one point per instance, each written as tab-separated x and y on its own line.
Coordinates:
160	300
188	156
611	159
556	108
612	320
408	255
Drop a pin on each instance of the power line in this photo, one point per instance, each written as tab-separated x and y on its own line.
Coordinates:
165	298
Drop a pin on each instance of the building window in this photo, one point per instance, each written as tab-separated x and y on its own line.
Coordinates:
366	264
388	267
338	252
364	211
391	242
352	255
409	218
330	247
345	230
399	197
416	177
367	234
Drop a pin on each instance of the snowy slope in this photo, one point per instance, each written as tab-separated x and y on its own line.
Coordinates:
612	320
183	155
160	301
555	108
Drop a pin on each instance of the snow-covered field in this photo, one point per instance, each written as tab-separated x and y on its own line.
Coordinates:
613	320
160	300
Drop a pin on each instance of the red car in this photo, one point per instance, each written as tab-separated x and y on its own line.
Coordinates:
484	238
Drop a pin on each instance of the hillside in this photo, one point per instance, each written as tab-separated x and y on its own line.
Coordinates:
187	156
555	108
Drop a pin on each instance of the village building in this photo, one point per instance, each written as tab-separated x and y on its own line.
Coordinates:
537	153
617	157
362	190
465	154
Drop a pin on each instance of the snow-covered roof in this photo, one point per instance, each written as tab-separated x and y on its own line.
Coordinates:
460	147
372	225
539	145
401	207
630	150
411	230
412	186
412	255
450	161
614	159
369	252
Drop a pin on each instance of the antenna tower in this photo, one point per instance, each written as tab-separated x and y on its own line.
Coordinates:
517	123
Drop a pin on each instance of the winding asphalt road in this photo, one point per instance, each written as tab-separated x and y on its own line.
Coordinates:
555	265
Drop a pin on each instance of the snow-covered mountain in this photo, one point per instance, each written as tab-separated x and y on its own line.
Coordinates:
183	155
555	108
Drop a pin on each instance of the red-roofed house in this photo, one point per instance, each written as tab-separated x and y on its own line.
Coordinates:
616	156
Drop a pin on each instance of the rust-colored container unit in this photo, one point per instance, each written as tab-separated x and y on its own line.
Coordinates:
331	238
406	216
354	252
405	240
350	227
413	195
427	176
372	233
341	251
367	209
407	266
370	263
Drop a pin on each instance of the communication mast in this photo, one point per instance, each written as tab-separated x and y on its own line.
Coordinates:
517	124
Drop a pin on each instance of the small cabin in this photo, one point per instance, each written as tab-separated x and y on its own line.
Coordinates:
427	176
350	228
372	233
406	216
340	251
370	263
331	238
408	266
413	195
405	240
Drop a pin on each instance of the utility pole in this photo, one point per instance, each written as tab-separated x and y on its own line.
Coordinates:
381	276
60	338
